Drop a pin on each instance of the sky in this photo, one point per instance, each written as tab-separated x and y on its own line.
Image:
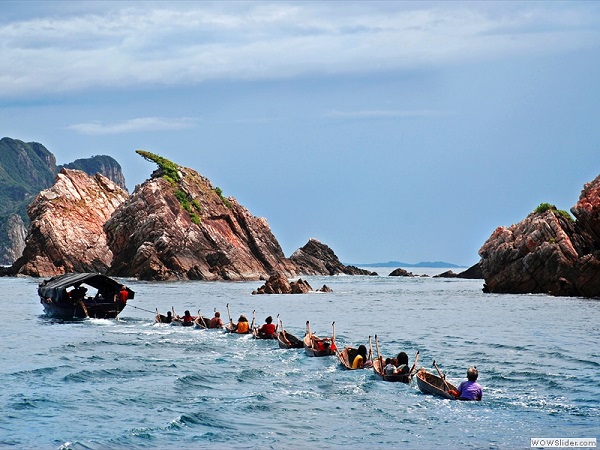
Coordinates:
390	131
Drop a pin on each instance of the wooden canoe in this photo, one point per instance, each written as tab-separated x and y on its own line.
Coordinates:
378	365
346	354
311	350
288	340
258	335
432	384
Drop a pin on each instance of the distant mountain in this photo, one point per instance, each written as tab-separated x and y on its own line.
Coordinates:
26	168
436	264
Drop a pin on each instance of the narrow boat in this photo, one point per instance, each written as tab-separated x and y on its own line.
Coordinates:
81	295
379	365
258	334
347	355
316	346
288	340
432	384
232	328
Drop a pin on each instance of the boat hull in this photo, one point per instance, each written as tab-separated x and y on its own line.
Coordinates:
433	385
288	340
67	310
378	369
311	351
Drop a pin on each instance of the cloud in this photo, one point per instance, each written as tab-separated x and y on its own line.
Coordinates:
133	125
153	44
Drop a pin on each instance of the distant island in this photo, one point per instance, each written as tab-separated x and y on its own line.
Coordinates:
436	264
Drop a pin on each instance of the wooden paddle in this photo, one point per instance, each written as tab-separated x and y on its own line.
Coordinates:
200	320
84	308
333	339
158	319
228	313
379	357
414	366
446	387
282	332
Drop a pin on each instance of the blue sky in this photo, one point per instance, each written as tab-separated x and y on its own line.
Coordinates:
388	130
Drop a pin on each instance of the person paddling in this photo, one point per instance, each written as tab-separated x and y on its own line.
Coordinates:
470	389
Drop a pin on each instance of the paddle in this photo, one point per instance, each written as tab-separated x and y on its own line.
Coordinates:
446	387
370	349
199	320
158	319
337	352
84	308
414	366
253	321
229	314
282	332
379	357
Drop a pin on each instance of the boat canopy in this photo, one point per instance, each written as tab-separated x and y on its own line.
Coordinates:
55	287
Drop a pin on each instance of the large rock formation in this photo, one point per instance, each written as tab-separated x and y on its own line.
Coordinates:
66	232
26	168
548	252
176	225
316	258
102	164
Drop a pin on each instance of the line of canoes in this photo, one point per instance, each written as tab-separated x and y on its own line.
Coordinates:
315	346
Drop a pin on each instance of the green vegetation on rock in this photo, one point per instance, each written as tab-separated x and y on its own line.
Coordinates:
543	207
170	170
226	202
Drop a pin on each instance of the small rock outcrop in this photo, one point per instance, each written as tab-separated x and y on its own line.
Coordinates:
548	252
66	232
279	284
316	258
401	273
176	225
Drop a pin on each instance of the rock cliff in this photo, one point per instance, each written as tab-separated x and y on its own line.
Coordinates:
316	258
176	225
66	232
548	252
26	168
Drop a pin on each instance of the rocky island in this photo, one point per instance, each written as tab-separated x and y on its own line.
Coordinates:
548	251
174	226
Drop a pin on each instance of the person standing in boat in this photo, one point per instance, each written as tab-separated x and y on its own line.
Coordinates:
268	330
470	389
216	321
242	326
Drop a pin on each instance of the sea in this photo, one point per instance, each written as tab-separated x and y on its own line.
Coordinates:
131	383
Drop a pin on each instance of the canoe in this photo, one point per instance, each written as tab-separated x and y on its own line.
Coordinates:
230	328
378	365
288	340
348	354
257	335
81	295
312	350
432	384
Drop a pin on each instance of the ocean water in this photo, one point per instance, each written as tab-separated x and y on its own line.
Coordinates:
131	383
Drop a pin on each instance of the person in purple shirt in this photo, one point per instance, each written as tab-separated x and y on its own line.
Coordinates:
470	389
